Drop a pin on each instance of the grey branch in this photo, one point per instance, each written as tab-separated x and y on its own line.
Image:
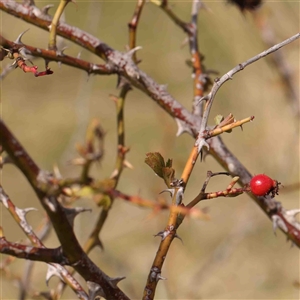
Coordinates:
200	142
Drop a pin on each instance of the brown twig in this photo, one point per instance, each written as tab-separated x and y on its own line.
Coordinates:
39	252
122	61
57	56
94	239
191	29
152	89
132	25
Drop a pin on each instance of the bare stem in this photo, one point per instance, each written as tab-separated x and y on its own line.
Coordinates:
219	82
132	25
52	38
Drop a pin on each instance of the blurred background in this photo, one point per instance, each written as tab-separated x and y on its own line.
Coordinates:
233	256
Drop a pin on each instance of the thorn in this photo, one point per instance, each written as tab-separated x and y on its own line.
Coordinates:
179	196
99	244
278	222
133	50
182	127
159	234
88	77
178	237
52	271
95	67
171	191
75	3
115	173
121	81
159	277
46	63
18	40
200	144
114	98
56	172
115	281
22	215
95	290
162	234
45	9
202	99
61	52
71	213
79	55
292	212
163	87
28	2
27	210
184	42
127	164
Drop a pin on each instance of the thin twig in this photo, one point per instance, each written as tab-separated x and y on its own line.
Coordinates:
280	63
200	142
52	37
94	239
57	56
191	29
123	62
47	193
39	252
132	25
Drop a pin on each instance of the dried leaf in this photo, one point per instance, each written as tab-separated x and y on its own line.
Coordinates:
156	162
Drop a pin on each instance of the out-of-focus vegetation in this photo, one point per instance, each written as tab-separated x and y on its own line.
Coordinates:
233	256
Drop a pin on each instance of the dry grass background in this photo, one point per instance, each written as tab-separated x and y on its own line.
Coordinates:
233	256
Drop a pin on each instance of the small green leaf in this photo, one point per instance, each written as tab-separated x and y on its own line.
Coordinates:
103	201
218	119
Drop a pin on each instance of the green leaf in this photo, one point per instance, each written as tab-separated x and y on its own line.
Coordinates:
218	119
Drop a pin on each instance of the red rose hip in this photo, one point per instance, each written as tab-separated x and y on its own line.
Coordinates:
261	185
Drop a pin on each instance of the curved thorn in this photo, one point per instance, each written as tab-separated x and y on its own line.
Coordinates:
18	40
133	50
171	191
46	8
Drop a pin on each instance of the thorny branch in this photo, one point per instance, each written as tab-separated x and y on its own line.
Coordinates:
47	194
279	61
39	252
121	61
283	219
59	56
191	29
